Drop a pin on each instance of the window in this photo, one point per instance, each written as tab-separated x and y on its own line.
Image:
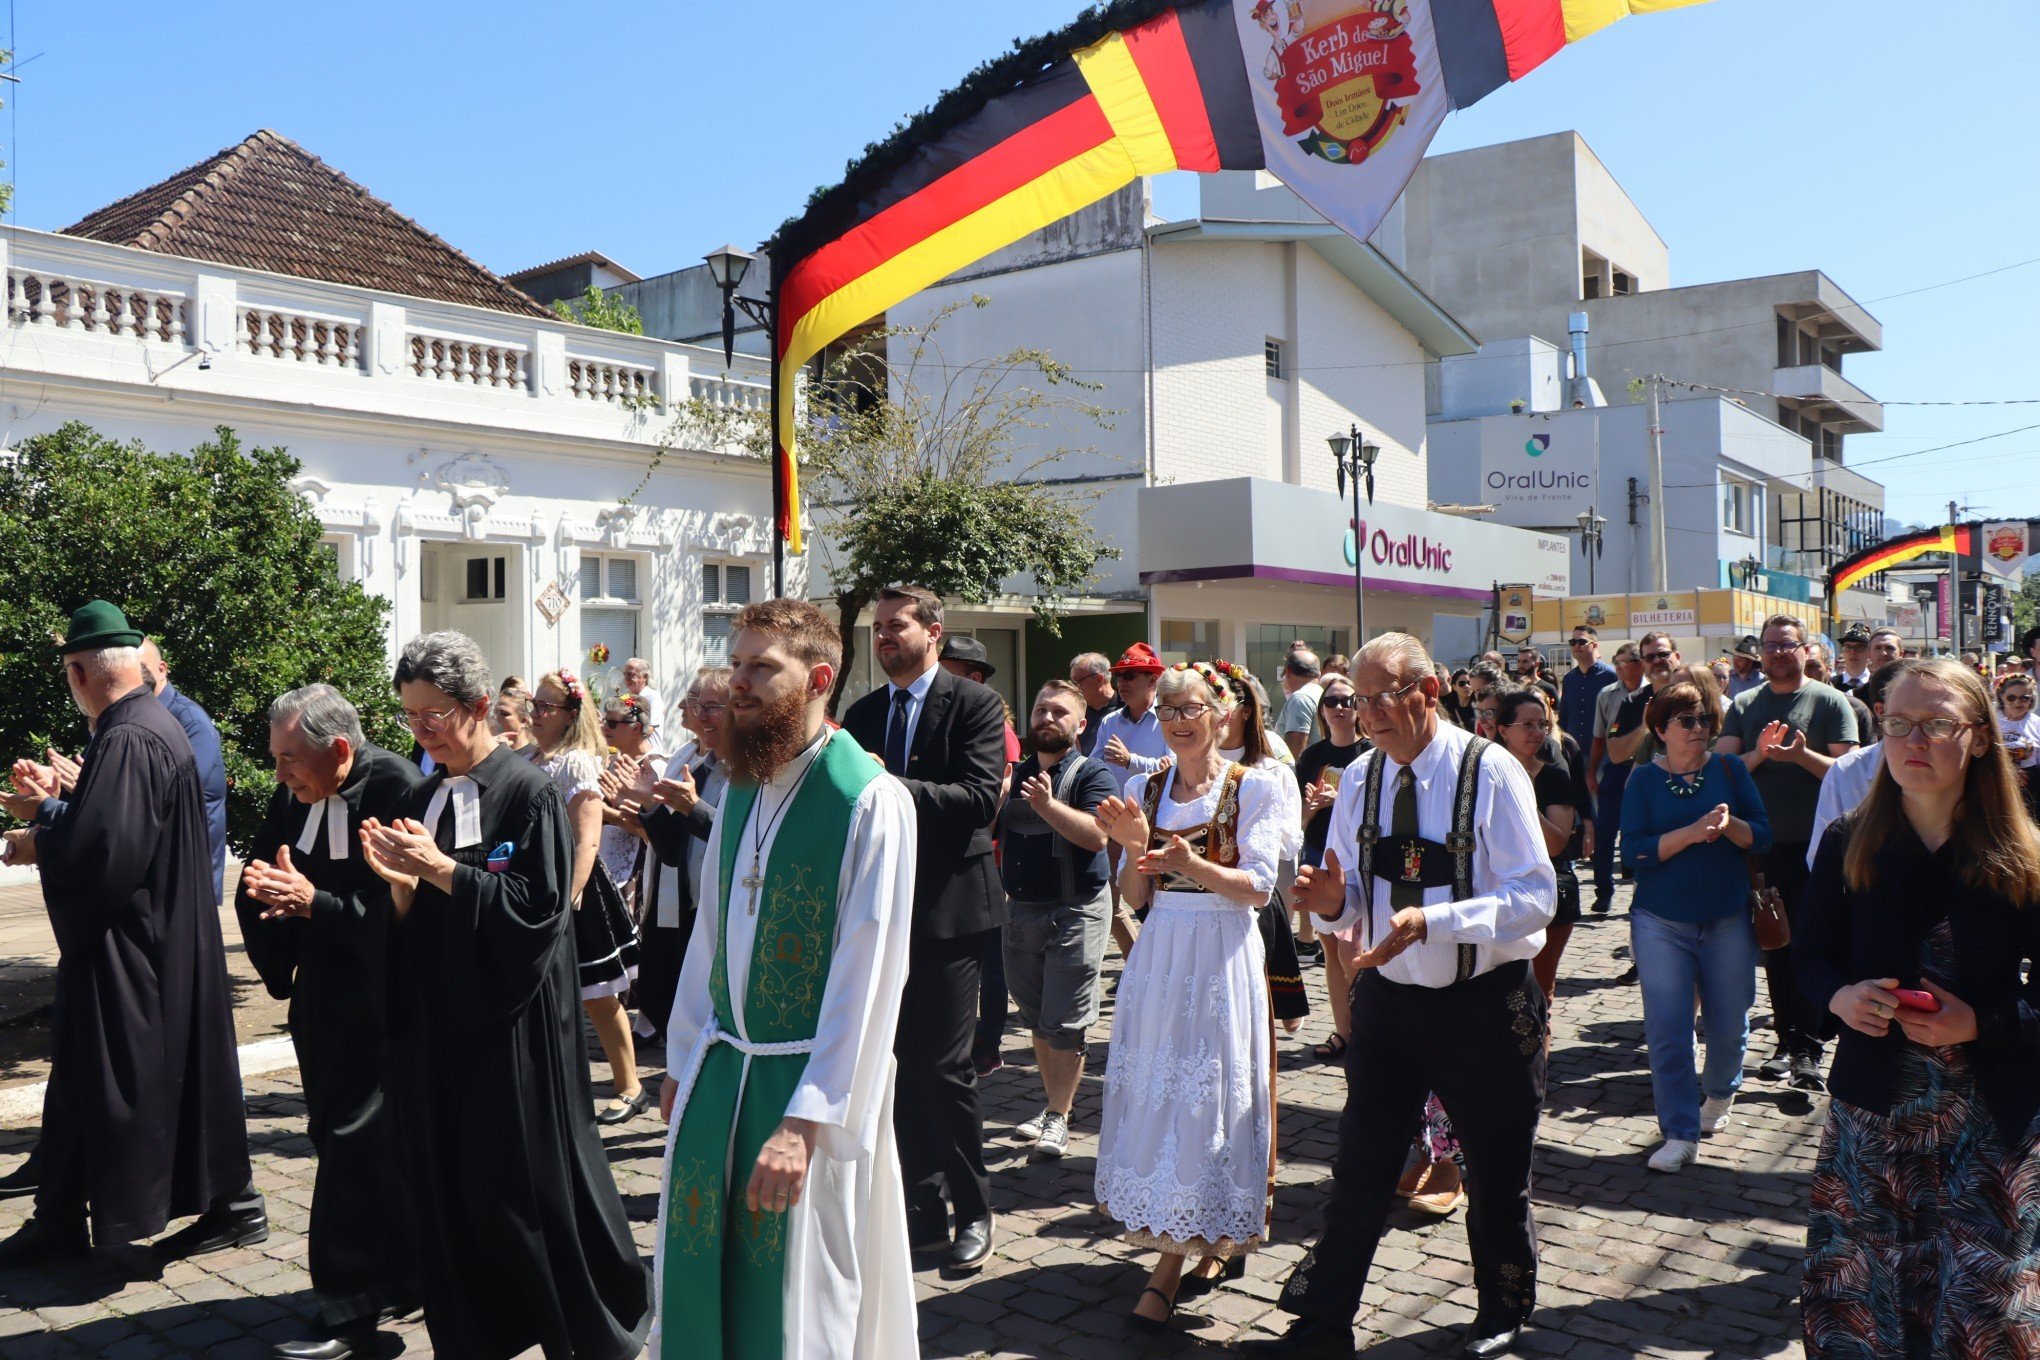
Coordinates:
725	589
1189	639
335	556
1271	353
1625	284
609	610
485	579
1788	342
1738	506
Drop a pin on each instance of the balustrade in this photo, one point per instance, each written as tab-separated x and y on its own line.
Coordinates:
610	381
61	303
476	363
296	336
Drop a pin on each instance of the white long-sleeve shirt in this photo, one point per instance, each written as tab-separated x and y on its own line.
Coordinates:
1515	889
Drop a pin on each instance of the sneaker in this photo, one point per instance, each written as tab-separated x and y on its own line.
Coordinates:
988	1063
1030	1132
1775	1068
1309	952
1055	1136
1714	1114
1675	1153
1806	1074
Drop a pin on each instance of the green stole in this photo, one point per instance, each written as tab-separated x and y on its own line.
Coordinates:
725	1266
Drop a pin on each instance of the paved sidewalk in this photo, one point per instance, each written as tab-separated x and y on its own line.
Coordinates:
1701	1264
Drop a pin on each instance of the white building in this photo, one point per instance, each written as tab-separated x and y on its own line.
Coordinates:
479	463
1229	347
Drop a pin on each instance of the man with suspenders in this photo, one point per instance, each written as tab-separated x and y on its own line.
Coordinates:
1452	889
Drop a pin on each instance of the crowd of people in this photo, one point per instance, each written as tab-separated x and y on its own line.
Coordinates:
822	927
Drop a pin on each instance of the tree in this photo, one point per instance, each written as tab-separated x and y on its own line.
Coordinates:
913	472
2025	601
605	313
216	557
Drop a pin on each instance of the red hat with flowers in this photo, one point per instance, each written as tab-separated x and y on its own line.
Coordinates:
1139	658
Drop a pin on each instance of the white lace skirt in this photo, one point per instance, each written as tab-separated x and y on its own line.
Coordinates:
1183	1156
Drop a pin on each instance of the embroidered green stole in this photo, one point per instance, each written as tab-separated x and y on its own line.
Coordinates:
724	1271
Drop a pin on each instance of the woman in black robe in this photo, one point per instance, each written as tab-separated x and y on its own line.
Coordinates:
521	1235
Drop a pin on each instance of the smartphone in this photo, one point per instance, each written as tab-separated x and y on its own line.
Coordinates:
1915	1001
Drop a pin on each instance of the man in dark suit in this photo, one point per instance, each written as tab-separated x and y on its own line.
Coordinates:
945	737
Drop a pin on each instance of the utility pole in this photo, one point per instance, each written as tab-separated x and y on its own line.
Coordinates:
1955	588
1660	566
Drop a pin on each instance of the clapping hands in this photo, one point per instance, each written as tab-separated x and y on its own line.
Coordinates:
279	886
1123	821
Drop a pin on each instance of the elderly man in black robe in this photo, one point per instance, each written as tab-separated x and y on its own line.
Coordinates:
143	1120
521	1237
315	919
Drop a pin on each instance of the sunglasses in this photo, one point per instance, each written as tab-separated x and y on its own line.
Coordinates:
1692	722
1659	656
1344	701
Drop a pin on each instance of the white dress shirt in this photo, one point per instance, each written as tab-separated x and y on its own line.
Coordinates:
1515	889
1142	737
917	699
1843	789
655	709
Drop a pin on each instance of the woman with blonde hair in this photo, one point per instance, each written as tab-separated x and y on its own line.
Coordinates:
1186	1148
568	746
1919	926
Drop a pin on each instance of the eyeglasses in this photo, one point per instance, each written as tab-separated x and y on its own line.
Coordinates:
1386	697
1658	656
2006	699
1343	701
608	723
1534	724
1933	729
707	710
1485	710
1582	642
547	706
1774	648
1181	712
430	720
1692	722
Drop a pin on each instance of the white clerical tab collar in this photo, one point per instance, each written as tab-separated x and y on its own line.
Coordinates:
331	813
465	795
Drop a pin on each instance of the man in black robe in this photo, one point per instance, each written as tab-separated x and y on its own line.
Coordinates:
315	919
521	1237
143	1120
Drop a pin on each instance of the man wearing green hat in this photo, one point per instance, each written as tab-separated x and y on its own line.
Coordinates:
143	1119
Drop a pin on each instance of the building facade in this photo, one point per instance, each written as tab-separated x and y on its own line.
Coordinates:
475	461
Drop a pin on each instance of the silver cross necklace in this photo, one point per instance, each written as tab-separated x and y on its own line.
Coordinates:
755	880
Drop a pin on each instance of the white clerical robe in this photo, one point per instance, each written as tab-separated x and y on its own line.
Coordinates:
849	1272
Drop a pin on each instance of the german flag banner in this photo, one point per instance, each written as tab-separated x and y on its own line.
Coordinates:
1959	539
1336	98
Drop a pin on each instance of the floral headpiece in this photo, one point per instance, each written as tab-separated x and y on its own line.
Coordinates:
1218	677
570	685
634	709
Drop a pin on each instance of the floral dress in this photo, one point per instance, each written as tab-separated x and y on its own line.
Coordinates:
1925	1232
1186	1147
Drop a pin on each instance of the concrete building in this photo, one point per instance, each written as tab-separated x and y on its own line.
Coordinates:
571	278
478	462
1517	239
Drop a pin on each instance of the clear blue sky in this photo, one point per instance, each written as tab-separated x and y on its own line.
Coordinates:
1886	143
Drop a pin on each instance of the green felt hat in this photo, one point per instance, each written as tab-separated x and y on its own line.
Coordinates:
96	625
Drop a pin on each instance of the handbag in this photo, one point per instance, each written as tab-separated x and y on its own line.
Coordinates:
1767	912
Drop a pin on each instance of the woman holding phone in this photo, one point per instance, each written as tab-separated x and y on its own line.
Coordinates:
1923	909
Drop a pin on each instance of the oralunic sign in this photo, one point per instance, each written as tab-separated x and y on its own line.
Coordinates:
1539	472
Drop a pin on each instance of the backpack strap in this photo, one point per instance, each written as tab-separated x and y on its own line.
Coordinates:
1370	833
1461	843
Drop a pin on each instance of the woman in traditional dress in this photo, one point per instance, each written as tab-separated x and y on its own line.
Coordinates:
522	1240
568	746
1247	740
1922	914
1186	1151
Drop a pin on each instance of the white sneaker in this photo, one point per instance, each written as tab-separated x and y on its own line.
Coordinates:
1055	1136
1675	1153
1030	1132
1714	1114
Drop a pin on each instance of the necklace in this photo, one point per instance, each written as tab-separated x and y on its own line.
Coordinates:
756	880
1685	785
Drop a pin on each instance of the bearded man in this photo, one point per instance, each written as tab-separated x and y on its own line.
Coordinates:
783	1221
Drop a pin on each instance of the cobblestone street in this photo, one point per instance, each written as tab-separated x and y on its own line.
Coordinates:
1701	1264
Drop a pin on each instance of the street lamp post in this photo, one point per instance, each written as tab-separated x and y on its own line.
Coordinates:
1354	456
728	267
1591	526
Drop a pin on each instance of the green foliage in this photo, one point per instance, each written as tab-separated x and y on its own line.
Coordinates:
216	557
910	472
605	313
2025	602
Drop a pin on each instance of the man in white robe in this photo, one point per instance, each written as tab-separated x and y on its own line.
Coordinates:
783	1222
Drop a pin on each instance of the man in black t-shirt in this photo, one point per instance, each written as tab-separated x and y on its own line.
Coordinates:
1052	858
1629	740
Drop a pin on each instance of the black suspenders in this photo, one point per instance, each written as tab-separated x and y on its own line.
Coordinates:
1459	844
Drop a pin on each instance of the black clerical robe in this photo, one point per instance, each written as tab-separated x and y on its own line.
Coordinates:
143	1120
521	1235
333	968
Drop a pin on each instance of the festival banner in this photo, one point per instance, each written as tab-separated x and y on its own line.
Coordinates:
2005	547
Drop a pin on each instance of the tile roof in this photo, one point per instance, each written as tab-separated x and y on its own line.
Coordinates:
585	257
267	203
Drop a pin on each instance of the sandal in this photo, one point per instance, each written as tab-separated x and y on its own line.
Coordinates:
1196	1286
1332	1049
1142	1322
619	1111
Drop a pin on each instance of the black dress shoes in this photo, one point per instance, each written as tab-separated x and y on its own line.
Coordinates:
1485	1340
25	1179
217	1230
38	1242
973	1247
351	1345
1305	1340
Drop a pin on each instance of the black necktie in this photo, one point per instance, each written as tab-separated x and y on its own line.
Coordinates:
1403	822
896	733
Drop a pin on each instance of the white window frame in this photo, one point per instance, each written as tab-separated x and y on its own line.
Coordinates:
491	596
1275	359
605	598
720	606
1739	506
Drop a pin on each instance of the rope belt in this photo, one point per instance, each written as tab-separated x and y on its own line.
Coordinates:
713	1033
